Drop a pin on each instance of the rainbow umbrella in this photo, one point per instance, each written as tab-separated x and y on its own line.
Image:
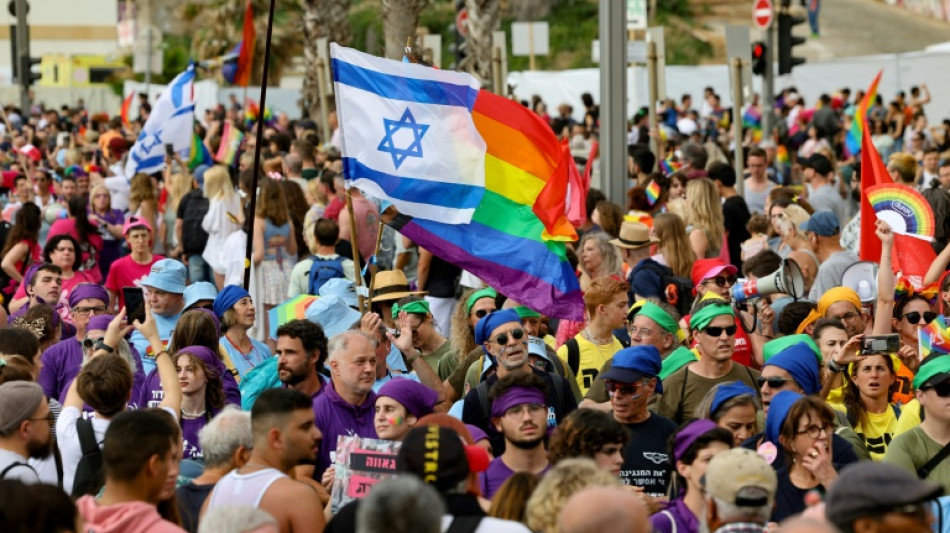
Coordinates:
289	310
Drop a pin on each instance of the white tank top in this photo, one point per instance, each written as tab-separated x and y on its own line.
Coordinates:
244	489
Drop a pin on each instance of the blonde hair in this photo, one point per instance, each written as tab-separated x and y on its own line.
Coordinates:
905	165
677	206
92	194
796	215
704	210
178	186
140	189
315	193
462	337
674	243
611	263
218	184
558	485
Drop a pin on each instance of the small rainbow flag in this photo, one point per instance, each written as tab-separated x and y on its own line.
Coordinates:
781	155
934	337
653	192
752	119
860	118
199	154
124	110
231	139
252	111
670	165
293	308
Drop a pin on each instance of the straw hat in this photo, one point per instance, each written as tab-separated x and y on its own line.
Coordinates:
391	285
633	236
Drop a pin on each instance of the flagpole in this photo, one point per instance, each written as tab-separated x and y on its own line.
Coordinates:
257	151
372	267
354	244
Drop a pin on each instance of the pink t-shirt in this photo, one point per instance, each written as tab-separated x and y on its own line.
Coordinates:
125	272
67	226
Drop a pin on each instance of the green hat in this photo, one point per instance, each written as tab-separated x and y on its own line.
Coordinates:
658	315
700	319
932	372
418	307
525	312
775	346
487	292
679	358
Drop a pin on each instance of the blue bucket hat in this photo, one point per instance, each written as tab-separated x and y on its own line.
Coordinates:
167	275
341	287
201	290
635	363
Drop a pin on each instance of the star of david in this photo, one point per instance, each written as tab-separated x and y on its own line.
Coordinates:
414	149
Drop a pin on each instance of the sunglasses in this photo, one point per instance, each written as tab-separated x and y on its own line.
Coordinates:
714	331
722	281
942	389
516	334
914	316
774	383
627	389
89	343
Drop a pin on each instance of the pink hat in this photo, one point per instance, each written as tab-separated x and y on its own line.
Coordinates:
135	221
32	152
704	269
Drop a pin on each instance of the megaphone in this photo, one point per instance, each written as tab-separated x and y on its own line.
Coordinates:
861	277
787	279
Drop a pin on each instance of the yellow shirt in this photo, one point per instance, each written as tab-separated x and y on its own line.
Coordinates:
877	431
592	359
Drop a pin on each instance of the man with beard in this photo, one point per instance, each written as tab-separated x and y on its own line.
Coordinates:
519	412
301	350
285	436
25	429
631	382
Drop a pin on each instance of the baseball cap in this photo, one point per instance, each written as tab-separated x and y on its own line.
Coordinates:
709	268
741	477
858	491
635	363
167	275
135	221
822	223
819	163
435	454
932	371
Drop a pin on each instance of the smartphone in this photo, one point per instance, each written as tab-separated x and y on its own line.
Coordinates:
134	304
169	150
880	344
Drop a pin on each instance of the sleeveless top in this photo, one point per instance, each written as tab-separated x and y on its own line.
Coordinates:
244	489
272	230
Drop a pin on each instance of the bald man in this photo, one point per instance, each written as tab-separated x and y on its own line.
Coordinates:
805	525
808	264
604	510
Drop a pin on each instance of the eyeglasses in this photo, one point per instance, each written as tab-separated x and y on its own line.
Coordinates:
914	316
516	334
50	417
814	431
519	410
642	332
848	317
714	331
942	389
482	313
85	311
627	389
89	343
722	281
774	382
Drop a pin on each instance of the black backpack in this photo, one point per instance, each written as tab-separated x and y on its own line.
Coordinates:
675	290
89	477
322	271
193	236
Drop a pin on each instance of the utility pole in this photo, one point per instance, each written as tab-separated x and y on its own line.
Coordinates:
23	56
768	84
613	98
737	67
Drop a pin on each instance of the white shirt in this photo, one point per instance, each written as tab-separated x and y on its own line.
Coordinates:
119	188
490	525
22	472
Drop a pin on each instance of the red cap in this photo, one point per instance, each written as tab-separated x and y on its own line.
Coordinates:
704	269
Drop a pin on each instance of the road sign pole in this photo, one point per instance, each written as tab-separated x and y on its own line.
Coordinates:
613	97
768	85
737	67
653	89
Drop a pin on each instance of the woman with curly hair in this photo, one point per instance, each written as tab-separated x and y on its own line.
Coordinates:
558	485
598	258
592	434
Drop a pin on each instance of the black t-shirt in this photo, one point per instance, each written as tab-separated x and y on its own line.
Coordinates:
735	214
190	499
789	499
561	402
646	461
191	211
442	278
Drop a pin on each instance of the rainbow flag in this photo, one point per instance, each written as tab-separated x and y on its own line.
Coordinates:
752	119
295	307
245	61
514	241
252	111
124	110
653	192
231	138
934	338
670	165
860	118
781	155
199	154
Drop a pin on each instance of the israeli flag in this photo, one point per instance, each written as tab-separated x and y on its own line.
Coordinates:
407	135
171	122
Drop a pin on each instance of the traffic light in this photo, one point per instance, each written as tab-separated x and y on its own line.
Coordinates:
759	58
25	73
787	42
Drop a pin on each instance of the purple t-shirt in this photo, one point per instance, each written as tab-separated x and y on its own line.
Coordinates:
61	363
152	393
336	417
675	517
498	472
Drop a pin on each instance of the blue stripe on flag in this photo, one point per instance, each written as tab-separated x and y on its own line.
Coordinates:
436	193
401	88
181	83
184	111
149	163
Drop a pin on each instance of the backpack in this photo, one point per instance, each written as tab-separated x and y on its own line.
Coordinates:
322	271
674	290
89	477
11	466
193	236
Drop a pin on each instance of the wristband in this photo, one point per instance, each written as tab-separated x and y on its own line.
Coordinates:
413	358
834	366
101	345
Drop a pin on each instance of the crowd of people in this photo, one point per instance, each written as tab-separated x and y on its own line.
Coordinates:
144	389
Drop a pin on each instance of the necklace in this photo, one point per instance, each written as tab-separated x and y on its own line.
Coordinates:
595	340
192	416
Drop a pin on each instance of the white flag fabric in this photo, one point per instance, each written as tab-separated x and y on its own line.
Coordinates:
407	135
171	122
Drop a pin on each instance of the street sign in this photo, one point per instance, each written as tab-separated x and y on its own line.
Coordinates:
125	30
529	38
636	51
636	15
762	14
738	44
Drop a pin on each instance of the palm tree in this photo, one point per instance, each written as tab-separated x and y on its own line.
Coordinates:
321	19
482	18
400	18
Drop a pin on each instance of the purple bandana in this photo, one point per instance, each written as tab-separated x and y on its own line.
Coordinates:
516	396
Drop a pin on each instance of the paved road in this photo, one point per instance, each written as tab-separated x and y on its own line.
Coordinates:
865	27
